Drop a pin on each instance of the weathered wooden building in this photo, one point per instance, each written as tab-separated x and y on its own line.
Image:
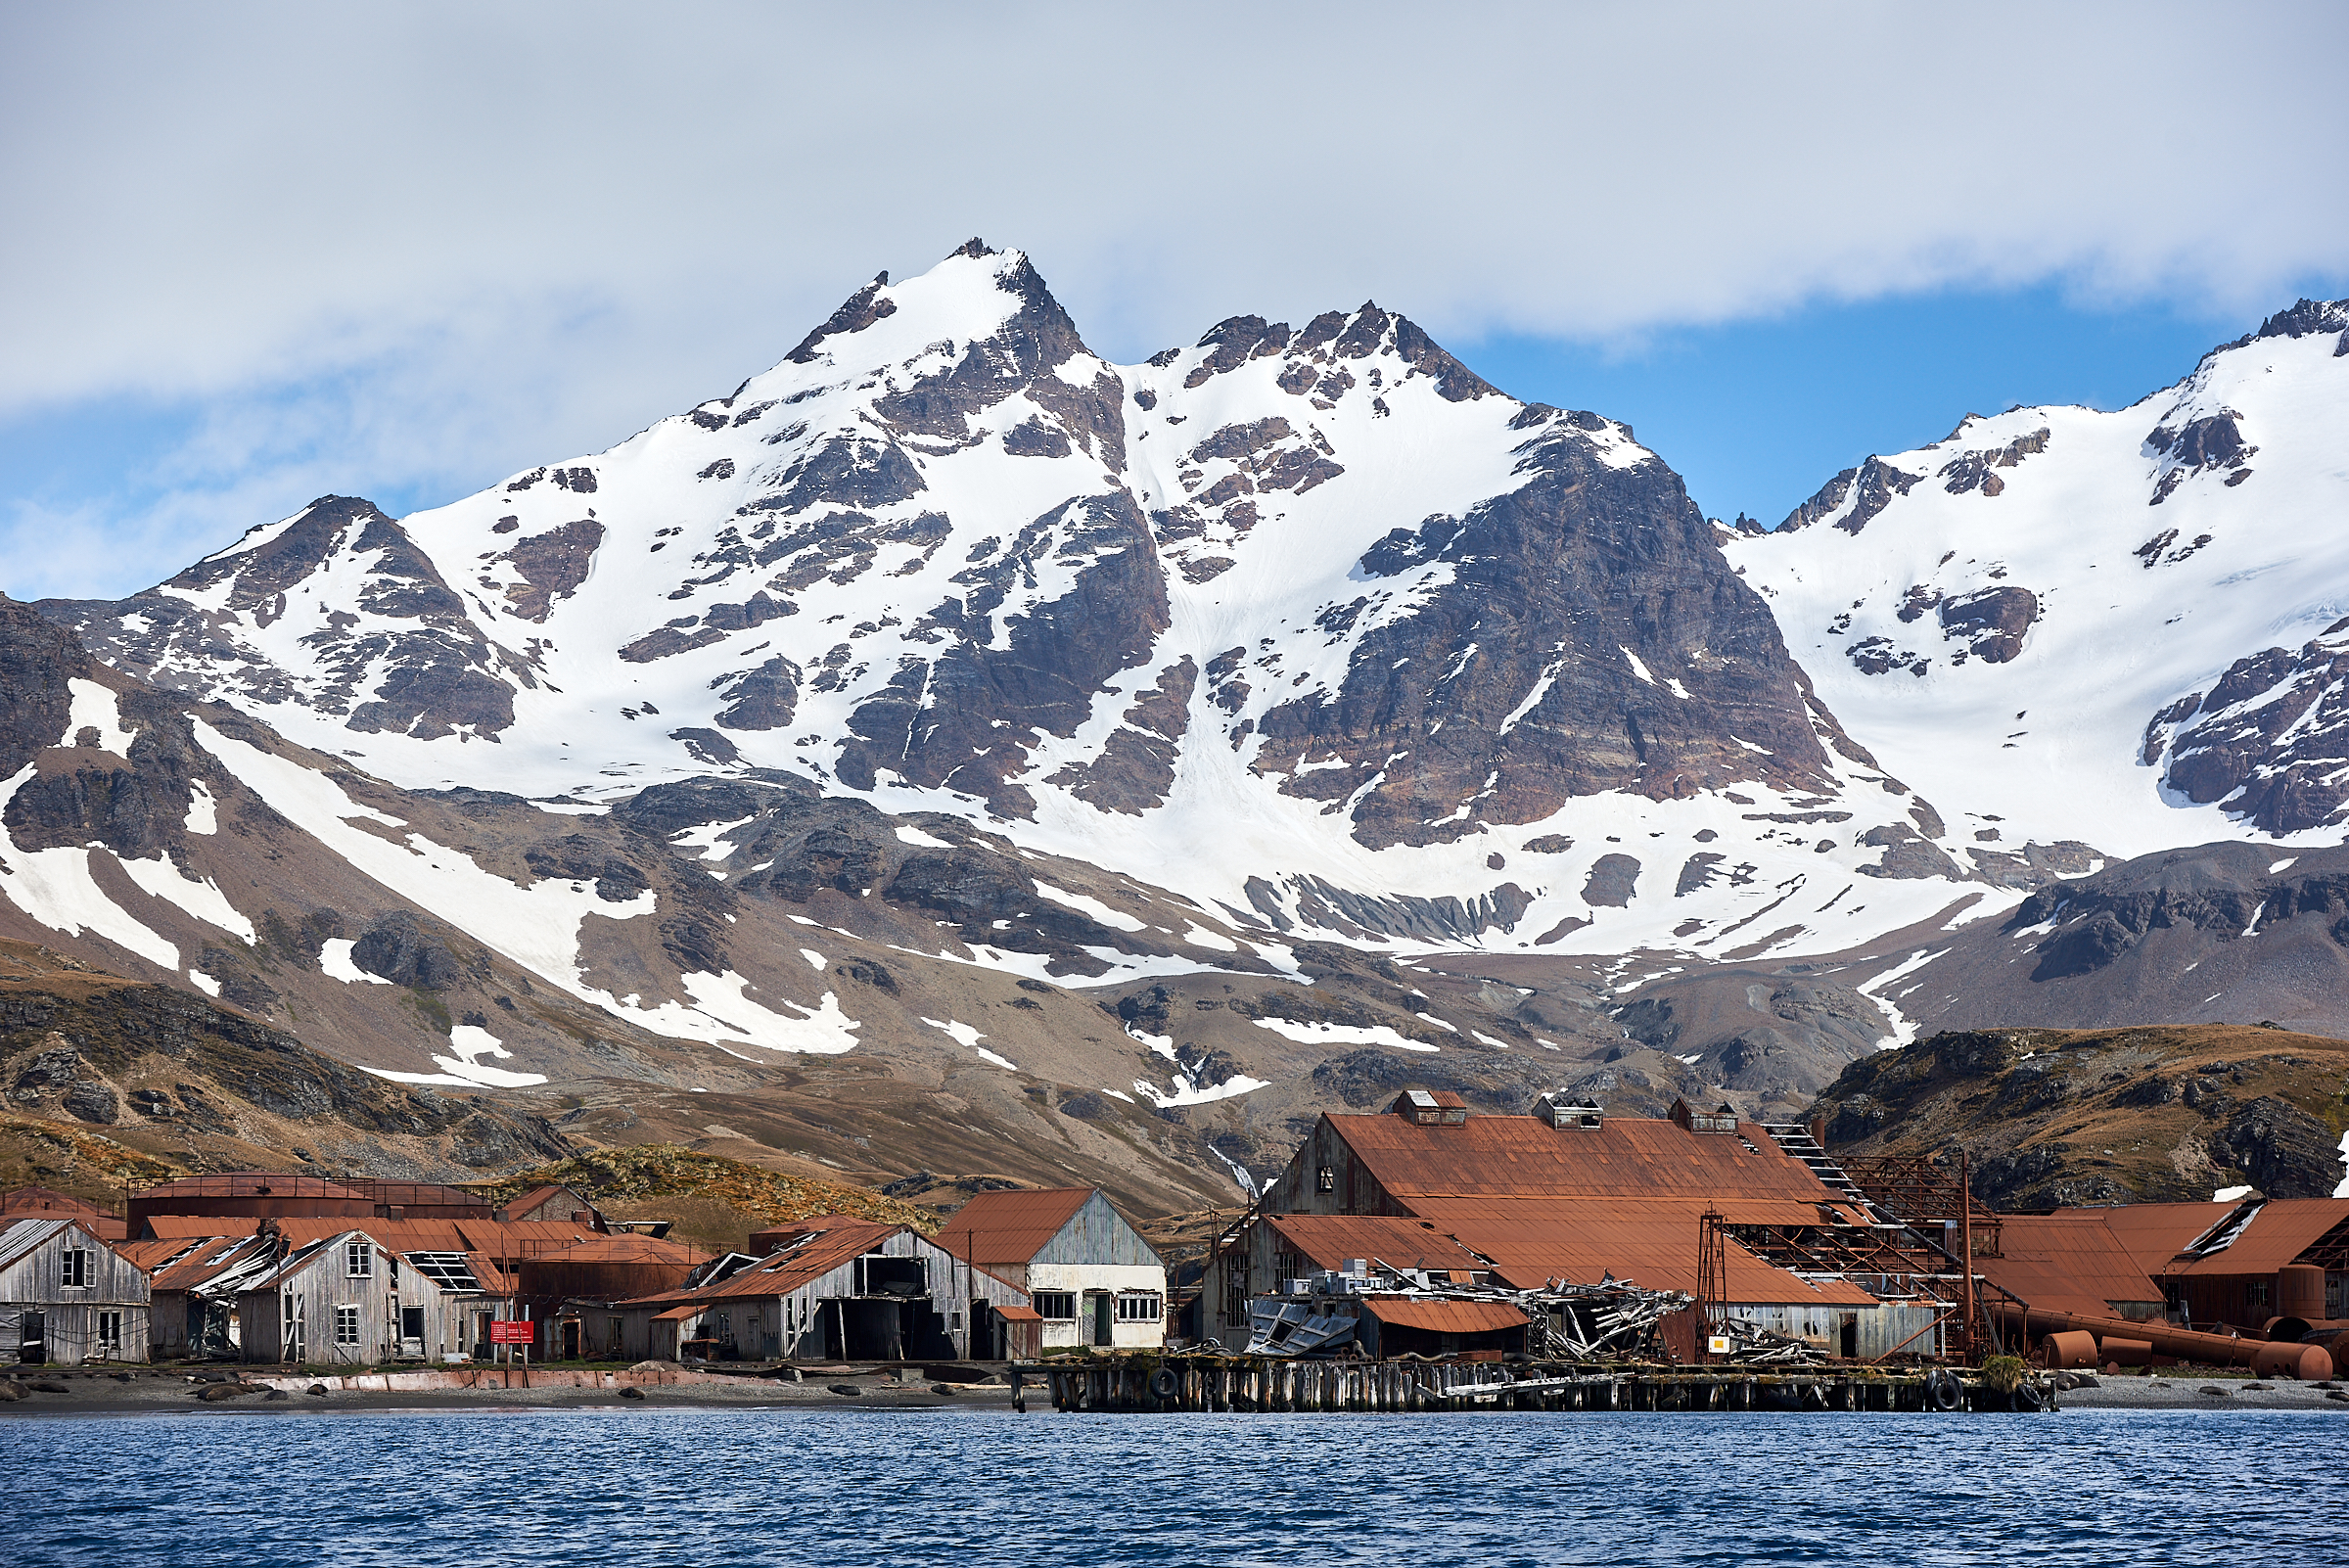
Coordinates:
831	1288
1090	1276
193	1281
348	1300
67	1298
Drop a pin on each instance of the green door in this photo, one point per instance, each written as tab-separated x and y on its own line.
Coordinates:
1102	1321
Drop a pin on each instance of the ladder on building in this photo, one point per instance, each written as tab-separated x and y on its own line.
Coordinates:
1796	1139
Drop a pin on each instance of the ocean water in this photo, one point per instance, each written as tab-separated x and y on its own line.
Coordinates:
646	1488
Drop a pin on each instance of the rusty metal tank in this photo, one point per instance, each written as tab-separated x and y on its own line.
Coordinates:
2300	1292
2311	1364
2128	1351
2070	1349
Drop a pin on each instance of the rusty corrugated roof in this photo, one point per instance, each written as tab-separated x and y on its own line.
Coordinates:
823	1251
2067	1263
2154	1233
1019	1314
1010	1226
1650	1243
1524	1156
1445	1317
167	1226
1331	1239
620	1249
2282	1231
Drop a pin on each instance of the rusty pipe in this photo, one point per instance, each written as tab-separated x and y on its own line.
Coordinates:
2188	1345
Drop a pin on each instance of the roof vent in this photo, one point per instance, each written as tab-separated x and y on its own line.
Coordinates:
1723	1119
1431	1108
1563	1110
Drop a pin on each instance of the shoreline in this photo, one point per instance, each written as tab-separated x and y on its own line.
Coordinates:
149	1392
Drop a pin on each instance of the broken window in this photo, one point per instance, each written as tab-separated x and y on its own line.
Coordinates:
346	1326
2255	1293
1138	1307
1056	1306
358	1260
1327	1180
109	1334
74	1267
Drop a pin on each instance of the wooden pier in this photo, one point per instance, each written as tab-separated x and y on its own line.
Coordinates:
1169	1384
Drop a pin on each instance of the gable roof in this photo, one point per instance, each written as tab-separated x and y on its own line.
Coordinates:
1010	1226
189	1263
1524	1156
2281	1231
814	1254
25	1236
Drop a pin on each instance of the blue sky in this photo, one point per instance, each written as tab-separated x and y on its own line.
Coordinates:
262	255
1755	415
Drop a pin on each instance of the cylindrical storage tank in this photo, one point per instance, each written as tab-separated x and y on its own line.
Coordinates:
2071	1348
2308	1362
2128	1352
2300	1292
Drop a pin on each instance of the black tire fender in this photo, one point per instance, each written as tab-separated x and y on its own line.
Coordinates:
2027	1396
1942	1391
1164	1383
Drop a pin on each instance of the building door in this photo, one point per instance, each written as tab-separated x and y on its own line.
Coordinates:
570	1339
1851	1336
1104	1324
32	1345
292	1347
411	1330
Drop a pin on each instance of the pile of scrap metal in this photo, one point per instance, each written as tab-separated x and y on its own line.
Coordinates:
1609	1321
1752	1345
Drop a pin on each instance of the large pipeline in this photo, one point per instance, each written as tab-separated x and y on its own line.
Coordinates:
2185	1344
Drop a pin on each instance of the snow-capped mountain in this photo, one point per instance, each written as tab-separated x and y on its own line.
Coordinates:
1310	626
2124	627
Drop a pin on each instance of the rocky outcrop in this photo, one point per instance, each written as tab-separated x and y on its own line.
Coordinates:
2271	740
2056	1116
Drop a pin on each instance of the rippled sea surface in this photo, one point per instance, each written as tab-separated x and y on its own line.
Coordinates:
709	1487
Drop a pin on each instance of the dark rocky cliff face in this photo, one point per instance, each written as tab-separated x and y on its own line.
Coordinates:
403	617
1591	639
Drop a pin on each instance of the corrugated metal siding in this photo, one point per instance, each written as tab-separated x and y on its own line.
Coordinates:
1097	1233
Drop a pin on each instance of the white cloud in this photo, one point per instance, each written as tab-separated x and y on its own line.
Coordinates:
442	241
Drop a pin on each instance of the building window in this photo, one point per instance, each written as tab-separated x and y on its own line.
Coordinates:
358	1260
110	1333
75	1268
1138	1307
612	1343
1056	1306
346	1326
2255	1293
1326	1180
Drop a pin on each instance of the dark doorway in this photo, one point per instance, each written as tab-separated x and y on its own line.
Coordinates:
570	1339
1104	1324
1851	1336
32	1345
411	1327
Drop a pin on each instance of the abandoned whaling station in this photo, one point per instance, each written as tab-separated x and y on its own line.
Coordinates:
1422	1258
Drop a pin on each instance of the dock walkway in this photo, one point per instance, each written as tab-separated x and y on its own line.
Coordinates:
1143	1383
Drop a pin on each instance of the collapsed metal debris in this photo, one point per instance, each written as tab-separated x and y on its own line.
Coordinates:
1324	1312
